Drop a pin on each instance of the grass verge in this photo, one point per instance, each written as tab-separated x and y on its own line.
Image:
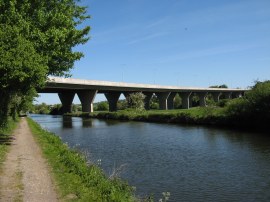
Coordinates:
196	115
5	139
75	179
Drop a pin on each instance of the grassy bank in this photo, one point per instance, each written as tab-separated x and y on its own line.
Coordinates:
5	139
76	179
210	116
196	115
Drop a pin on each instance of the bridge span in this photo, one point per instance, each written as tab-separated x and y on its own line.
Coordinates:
87	90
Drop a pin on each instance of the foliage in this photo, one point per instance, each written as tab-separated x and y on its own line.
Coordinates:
259	98
154	104
254	106
122	104
54	110
177	101
75	176
219	86
21	67
223	102
36	40
136	101
102	106
195	100
41	109
238	107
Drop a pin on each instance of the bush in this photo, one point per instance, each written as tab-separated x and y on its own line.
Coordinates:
252	110
222	102
237	107
136	101
259	98
102	106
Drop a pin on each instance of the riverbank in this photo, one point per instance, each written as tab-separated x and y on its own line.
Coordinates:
208	116
76	178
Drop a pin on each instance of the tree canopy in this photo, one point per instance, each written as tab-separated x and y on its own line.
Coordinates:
36	40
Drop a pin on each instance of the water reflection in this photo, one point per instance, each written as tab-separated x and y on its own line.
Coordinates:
192	163
87	123
67	122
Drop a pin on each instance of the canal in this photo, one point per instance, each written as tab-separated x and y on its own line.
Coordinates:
192	163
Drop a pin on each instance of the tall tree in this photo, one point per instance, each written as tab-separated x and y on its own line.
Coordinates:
36	40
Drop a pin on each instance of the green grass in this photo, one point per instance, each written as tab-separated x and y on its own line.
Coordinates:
195	115
75	179
5	139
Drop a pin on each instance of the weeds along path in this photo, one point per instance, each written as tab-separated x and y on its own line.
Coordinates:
25	174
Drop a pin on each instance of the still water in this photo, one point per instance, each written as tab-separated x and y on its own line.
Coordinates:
192	163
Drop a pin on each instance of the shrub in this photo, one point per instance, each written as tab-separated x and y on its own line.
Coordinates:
102	106
222	102
136	101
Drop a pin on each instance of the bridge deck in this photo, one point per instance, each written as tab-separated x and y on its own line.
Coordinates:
56	84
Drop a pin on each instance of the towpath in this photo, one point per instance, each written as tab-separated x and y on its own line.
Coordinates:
25	174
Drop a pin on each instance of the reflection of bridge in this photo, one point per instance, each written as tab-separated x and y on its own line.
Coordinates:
87	90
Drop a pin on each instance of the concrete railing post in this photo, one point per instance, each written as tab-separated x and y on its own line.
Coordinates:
216	96
87	99
186	99
170	100
112	98
148	96
202	96
66	100
162	98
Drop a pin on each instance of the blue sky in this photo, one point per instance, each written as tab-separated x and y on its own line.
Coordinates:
175	42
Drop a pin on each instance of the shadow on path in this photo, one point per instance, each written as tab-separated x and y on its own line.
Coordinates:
6	139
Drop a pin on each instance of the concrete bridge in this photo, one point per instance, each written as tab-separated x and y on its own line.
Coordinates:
87	90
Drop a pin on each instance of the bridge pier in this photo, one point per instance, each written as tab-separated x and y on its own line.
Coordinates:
162	98
202	96
147	99
87	98
170	100
66	99
186	99
112	98
228	95
236	94
216	96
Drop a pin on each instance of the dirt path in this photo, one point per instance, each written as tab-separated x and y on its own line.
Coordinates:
25	175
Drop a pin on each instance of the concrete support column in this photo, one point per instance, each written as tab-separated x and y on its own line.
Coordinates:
87	98
236	94
66	100
148	96
112	98
186	99
162	98
190	100
216	96
202	96
228	95
127	94
170	100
